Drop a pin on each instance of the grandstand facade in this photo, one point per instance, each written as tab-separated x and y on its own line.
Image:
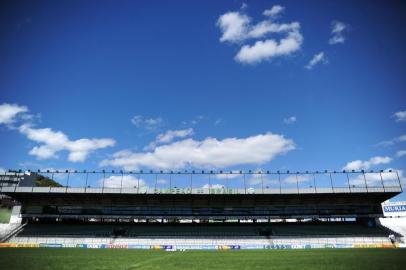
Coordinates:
329	208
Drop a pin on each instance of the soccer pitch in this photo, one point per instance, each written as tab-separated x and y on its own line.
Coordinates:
65	258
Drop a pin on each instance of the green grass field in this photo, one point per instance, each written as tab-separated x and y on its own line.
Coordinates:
65	258
5	214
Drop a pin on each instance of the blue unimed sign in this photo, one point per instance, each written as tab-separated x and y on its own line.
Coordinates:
395	208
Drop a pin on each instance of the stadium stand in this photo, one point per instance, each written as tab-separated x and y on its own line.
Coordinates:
198	218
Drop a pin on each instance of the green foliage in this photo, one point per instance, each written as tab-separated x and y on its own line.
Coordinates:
5	214
334	259
43	181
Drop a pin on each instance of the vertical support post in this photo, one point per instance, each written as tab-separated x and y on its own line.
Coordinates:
156	181
121	182
87	175
365	180
400	184
52	178
297	183
280	184
104	177
170	182
331	181
380	174
138	184
32	188
226	183
262	183
191	183
245	185
67	181
210	183
348	179
314	182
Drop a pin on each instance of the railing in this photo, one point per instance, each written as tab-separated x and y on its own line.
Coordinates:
206	182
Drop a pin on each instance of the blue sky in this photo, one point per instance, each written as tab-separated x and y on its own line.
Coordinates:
222	85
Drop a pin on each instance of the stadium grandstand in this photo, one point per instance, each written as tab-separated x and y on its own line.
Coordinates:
191	210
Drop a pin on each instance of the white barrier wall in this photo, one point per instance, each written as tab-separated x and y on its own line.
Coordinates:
202	243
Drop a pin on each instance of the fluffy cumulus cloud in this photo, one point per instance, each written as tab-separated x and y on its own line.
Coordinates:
319	58
234	26
294	179
234	174
207	153
337	32
290	120
51	142
400	116
274	12
237	27
54	141
365	165
149	124
125	181
270	48
9	112
169	136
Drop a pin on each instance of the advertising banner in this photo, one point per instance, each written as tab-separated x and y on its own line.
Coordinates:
116	246
139	246
394	209
28	245
49	245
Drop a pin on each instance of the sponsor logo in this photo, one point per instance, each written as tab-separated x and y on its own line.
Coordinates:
395	208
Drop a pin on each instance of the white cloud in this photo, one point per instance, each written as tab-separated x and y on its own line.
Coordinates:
265	27
149	124
209	152
317	58
393	141
226	175
8	112
215	186
337	29
365	165
274	11
289	120
51	141
125	181
293	179
270	48
236	27
401	153
260	179
55	141
400	116
162	181
169	136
